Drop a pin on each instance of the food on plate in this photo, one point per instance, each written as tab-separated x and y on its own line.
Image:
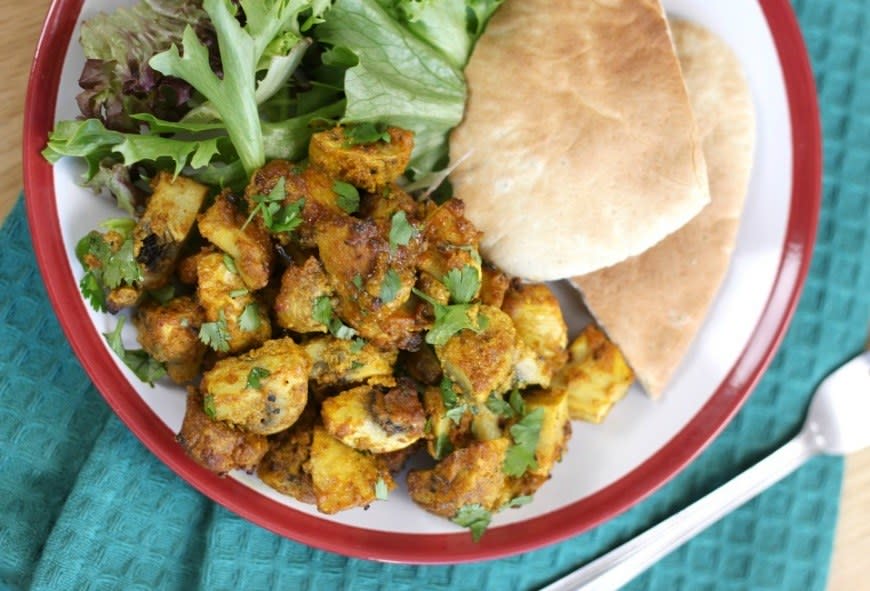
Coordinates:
578	143
296	261
291	335
596	376
652	305
217	445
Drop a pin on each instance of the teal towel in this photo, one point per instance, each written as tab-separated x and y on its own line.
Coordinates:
84	506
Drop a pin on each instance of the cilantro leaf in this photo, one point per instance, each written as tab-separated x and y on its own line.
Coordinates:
521	455
230	264
519	501
92	289
276	217
275	196
449	320
401	230
390	286
322	312
216	334
120	267
500	407
443	446
145	367
238	293
463	284
255	375
348	196
517	403
208	406
366	133
287	218
448	394
357	345
381	490
163	294
357	281
250	320
475	518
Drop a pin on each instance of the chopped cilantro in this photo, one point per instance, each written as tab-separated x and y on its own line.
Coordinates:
145	367
401	230
93	291
449	320
381	490
366	133
463	284
250	320
475	518
322	310
276	217
237	293
121	266
354	365
443	447
123	226
517	403
216	334
323	313
255	375
357	345
521	455
163	294
390	286
230	264
519	501
348	196
287	218
357	281
208	406
448	394
105	267
500	407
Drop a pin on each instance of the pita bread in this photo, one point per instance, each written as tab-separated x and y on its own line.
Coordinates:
652	305
583	148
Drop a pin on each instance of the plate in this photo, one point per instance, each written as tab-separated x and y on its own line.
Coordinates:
608	467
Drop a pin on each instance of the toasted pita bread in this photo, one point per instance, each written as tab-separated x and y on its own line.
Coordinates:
583	148
652	305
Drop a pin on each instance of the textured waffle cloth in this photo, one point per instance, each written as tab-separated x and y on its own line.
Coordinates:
86	506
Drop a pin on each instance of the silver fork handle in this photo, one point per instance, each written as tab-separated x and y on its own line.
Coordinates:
622	564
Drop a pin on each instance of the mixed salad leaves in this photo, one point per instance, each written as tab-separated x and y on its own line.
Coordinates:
214	89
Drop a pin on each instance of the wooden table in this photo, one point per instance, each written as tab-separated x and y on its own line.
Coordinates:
18	33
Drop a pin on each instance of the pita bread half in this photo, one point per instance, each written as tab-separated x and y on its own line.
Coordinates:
652	305
582	149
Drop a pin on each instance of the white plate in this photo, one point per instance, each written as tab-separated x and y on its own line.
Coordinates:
608	467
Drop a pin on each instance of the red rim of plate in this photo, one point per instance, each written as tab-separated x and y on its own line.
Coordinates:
428	548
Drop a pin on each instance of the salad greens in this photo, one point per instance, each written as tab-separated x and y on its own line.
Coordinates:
214	89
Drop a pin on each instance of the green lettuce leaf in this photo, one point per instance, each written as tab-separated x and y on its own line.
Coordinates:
451	26
399	78
89	139
271	32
